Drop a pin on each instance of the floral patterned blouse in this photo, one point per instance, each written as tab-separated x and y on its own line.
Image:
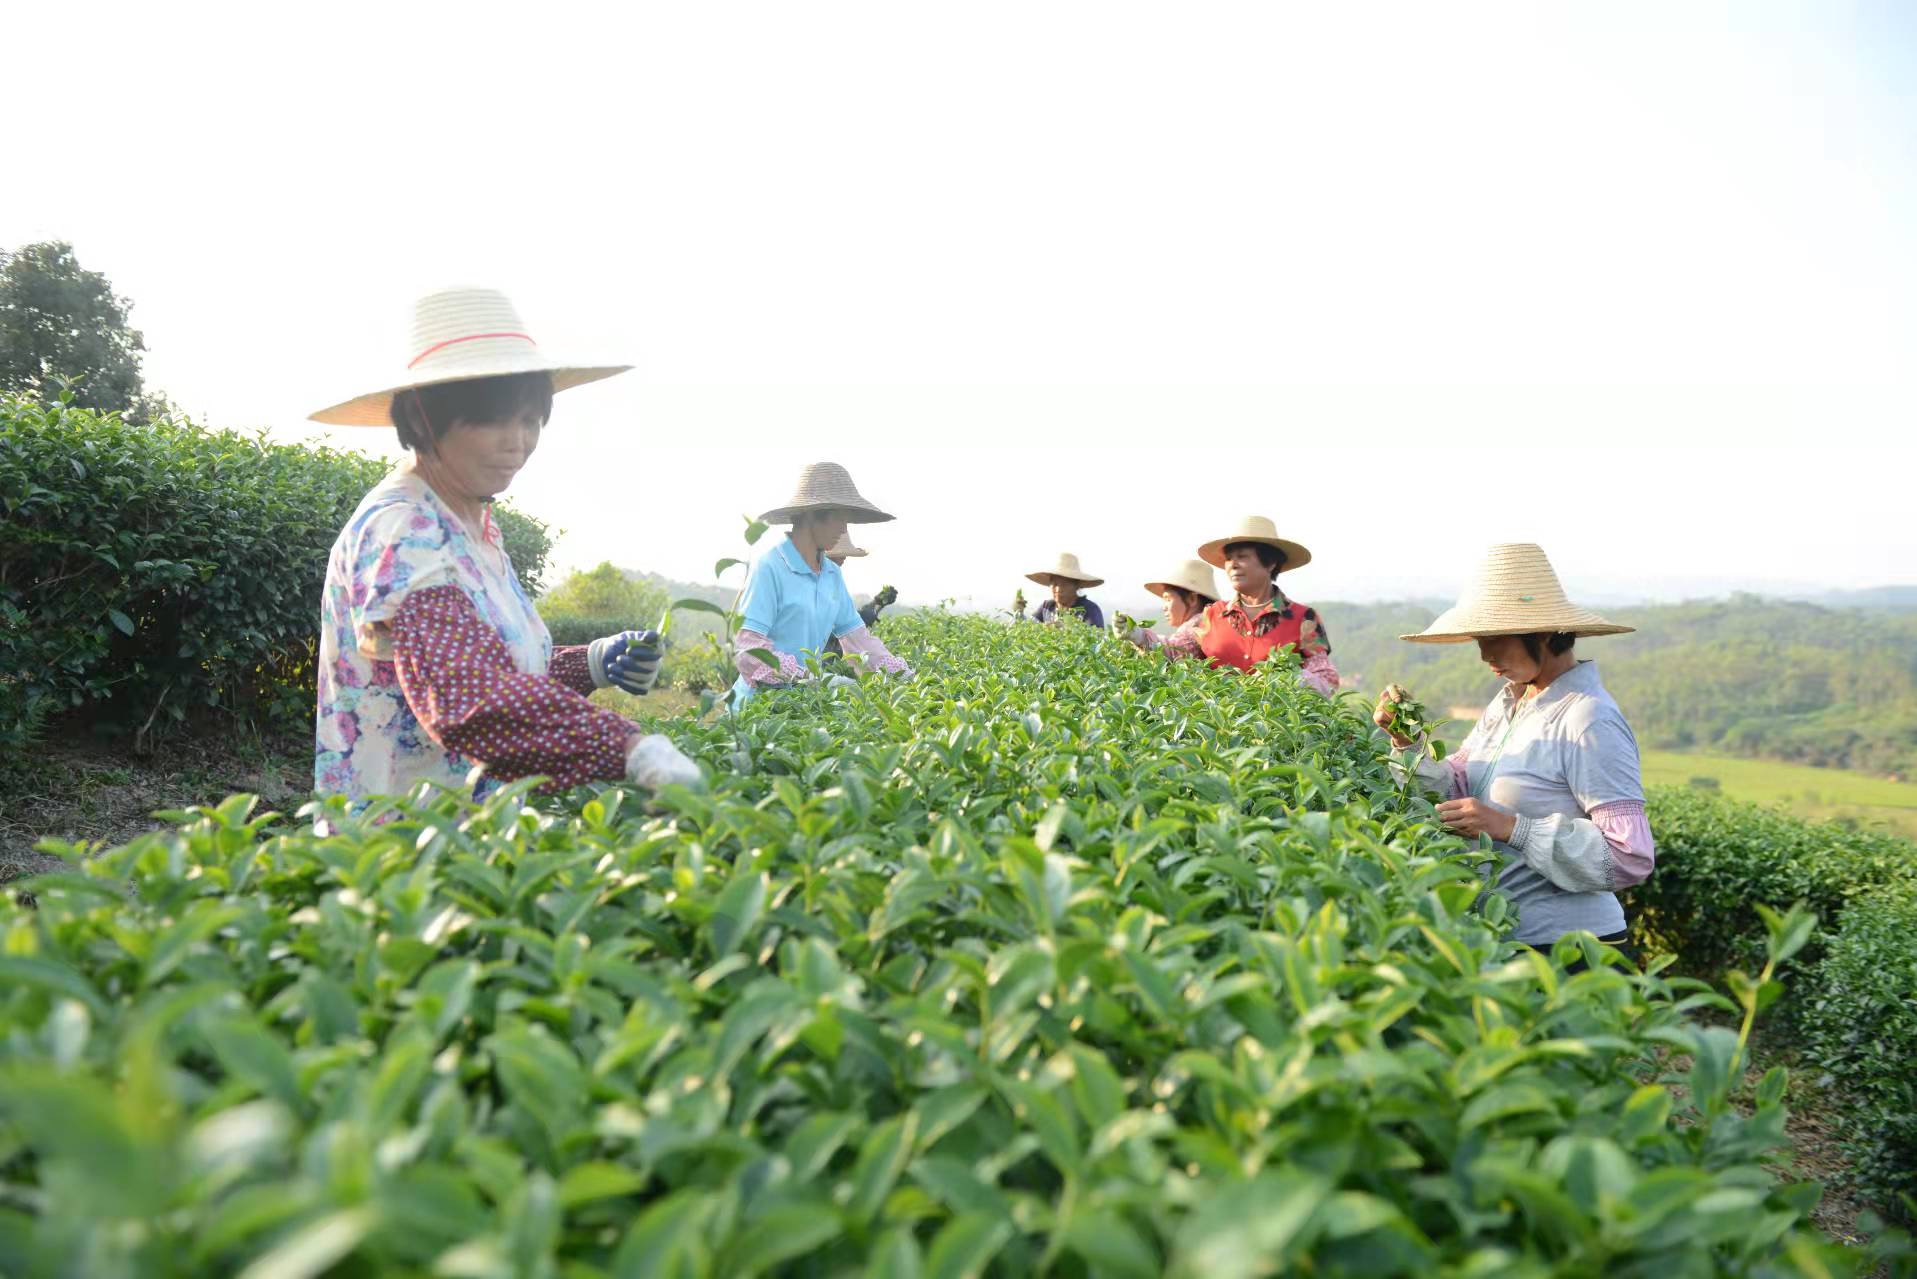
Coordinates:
433	661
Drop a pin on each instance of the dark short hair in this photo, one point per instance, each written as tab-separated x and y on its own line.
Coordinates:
1192	599
1559	643
1270	556
422	415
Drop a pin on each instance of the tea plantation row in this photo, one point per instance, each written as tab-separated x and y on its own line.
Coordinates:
1059	960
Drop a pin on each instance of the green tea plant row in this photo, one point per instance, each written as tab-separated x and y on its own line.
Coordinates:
149	571
1061	960
1853	1011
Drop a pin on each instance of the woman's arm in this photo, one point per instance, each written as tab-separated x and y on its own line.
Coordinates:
759	673
1610	847
459	679
864	644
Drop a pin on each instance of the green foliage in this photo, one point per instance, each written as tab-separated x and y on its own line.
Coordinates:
152	570
603	601
1716	857
528	541
1835	687
1052	961
1862	1032
60	322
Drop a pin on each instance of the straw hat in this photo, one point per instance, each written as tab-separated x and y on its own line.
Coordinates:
1191	575
1255	528
460	334
1514	593
843	548
1067	568
826	486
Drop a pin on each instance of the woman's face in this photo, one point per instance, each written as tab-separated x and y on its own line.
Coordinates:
1180	606
482	458
1064	593
827	528
1246	572
1508	659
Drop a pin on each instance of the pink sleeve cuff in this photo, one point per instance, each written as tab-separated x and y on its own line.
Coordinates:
1628	831
758	673
869	646
1318	672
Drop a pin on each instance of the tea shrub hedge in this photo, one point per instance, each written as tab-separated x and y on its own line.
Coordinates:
1059	960
155	569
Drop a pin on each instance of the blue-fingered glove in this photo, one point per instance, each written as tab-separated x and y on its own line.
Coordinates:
628	661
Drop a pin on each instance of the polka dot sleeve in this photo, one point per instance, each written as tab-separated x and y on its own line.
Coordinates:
569	667
459	679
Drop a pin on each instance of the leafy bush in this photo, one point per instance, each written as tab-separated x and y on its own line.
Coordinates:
1863	1035
603	601
1059	959
1716	858
160	568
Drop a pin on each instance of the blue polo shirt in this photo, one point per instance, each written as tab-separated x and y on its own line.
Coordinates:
794	606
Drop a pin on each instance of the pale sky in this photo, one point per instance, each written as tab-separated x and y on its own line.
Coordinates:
1637	281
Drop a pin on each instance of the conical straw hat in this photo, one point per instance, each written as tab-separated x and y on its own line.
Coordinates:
1190	575
1255	528
843	548
826	486
1067	568
1514	593
460	334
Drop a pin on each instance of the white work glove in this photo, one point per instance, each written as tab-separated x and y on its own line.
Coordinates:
654	761
1134	635
628	661
840	681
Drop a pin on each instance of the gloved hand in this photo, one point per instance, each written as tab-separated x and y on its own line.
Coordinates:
654	761
840	681
886	597
1130	634
628	661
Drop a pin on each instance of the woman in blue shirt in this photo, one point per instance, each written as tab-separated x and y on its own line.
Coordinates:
796	599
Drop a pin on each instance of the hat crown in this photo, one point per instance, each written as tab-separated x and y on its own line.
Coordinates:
1257	526
1517	573
452	319
826	486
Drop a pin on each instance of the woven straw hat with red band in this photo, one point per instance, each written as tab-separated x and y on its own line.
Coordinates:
460	334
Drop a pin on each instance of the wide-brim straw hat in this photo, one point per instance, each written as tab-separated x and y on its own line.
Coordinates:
1190	575
460	334
1256	528
1068	569
826	486
1515	593
843	548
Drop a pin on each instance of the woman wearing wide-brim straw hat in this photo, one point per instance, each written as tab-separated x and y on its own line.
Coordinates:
795	601
1067	579
433	664
842	550
1186	591
1550	772
1257	620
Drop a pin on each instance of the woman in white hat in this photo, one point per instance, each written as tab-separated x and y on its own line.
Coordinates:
1186	591
433	663
1550	773
1257	620
843	550
796	599
1066	579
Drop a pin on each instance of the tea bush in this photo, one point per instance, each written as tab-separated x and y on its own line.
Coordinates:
156	569
1862	1032
1058	960
1716	856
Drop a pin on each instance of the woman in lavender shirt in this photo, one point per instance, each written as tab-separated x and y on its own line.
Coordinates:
1550	773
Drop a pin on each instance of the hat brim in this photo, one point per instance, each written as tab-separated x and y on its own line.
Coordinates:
1047	578
1455	627
1158	588
853	514
856	553
376	408
1296	556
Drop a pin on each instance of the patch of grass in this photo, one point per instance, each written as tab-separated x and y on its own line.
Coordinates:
1825	794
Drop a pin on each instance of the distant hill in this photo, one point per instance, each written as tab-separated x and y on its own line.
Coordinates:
1747	676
